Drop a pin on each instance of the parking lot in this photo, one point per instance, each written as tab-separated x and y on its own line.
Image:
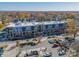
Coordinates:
40	45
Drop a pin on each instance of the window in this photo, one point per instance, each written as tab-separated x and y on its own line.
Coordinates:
60	25
6	30
46	26
32	27
53	25
50	26
15	29
28	28
23	29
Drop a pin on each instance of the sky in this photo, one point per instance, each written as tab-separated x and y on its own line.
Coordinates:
39	6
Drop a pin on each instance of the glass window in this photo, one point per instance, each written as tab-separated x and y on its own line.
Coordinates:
19	29
15	29
53	25
23	28
6	29
28	28
32	27
60	25
46	26
49	26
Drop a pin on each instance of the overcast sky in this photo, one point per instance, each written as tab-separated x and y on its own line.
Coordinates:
39	6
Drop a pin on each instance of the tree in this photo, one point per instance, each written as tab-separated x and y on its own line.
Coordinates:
1	26
7	21
3	17
70	26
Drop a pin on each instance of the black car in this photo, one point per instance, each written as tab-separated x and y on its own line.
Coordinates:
32	53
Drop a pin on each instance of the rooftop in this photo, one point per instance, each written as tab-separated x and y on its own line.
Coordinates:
33	23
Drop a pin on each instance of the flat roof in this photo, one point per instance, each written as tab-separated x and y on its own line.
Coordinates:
19	24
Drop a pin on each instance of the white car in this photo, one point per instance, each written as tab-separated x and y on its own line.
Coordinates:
47	54
61	51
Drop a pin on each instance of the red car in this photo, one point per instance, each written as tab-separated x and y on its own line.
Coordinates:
55	45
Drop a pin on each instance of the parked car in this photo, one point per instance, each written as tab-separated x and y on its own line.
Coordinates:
55	45
51	41
47	54
51	37
33	44
32	53
26	55
36	41
61	51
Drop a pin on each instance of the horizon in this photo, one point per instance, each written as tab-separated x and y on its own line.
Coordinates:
39	6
